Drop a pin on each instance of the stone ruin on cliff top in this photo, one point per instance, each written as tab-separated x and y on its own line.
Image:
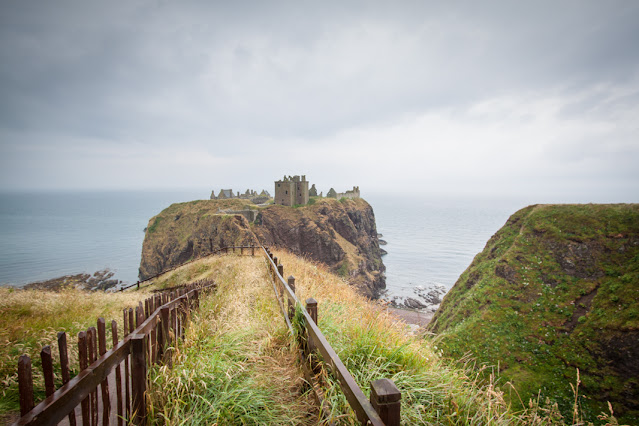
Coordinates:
290	191
293	190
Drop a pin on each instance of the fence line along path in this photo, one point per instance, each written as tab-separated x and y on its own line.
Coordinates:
111	384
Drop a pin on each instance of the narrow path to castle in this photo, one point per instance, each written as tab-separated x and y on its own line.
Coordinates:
237	366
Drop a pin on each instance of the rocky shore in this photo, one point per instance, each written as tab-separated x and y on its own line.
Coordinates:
101	280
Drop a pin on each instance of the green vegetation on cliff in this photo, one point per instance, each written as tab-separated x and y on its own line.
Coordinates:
343	235
555	290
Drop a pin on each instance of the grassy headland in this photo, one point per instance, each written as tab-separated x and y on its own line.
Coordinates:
555	290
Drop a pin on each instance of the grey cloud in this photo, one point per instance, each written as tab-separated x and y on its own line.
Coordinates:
226	76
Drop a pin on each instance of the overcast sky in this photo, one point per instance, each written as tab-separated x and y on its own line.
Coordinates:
461	98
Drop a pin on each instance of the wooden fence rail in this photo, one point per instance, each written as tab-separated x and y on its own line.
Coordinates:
248	250
384	405
104	398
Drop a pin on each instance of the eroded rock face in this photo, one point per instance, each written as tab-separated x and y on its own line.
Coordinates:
341	234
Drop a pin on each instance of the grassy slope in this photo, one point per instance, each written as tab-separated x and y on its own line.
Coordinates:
31	319
554	290
373	345
200	225
236	365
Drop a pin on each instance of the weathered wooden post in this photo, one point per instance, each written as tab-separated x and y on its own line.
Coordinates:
252	250
83	361
118	375
64	367
291	305
311	308
280	270
47	370
274	270
104	386
386	400
138	383
25	384
164	330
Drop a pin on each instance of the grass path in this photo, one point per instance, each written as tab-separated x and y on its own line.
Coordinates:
236	365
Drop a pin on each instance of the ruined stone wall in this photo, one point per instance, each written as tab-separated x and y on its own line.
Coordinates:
301	192
284	193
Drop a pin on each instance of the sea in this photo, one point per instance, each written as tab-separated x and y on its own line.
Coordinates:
45	235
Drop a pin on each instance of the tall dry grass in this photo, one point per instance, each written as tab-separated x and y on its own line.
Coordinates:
236	364
372	344
31	319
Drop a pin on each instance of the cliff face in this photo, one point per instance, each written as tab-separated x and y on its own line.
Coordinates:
341	234
555	290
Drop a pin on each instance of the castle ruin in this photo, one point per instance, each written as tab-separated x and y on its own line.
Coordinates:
291	191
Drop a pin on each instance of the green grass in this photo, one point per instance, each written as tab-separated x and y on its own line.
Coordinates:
31	320
373	345
551	292
236	365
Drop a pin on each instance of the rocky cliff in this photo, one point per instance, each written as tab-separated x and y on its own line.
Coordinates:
555	290
341	234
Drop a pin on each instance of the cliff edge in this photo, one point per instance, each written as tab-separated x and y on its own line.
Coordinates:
556	289
339	233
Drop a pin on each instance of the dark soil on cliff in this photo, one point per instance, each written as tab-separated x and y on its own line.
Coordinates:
555	291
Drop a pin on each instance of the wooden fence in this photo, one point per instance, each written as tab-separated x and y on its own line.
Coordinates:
148	334
384	405
105	397
226	250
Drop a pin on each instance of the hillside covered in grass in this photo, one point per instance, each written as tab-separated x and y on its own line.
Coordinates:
238	363
339	233
554	291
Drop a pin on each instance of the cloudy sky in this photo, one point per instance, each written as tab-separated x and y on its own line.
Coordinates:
460	98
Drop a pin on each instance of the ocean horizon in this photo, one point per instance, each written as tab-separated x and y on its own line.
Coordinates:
46	235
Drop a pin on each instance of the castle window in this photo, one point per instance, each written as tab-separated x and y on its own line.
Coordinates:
287	192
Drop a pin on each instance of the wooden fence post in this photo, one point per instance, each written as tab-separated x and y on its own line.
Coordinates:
64	367
291	306
164	331
138	382
92	350
386	400
104	386
83	360
118	374
127	376
311	308
25	384
47	370
280	270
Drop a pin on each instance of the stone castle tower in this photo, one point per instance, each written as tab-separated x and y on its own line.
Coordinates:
291	191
